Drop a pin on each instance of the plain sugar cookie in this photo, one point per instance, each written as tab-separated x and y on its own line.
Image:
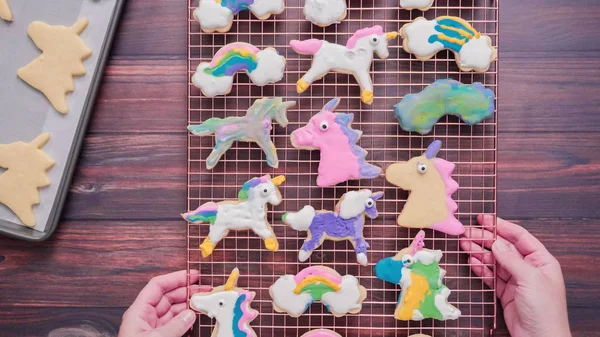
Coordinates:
5	12
422	5
325	12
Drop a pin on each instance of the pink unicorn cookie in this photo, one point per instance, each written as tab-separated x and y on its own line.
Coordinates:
355	58
321	333
341	158
429	181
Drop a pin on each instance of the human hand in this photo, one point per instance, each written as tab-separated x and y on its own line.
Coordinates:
161	308
529	280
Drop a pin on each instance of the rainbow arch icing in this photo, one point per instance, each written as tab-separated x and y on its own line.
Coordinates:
233	58
453	33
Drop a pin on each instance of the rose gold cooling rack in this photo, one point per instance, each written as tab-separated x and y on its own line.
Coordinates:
472	149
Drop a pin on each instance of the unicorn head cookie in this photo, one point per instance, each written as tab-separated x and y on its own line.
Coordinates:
217	15
341	158
230	306
429	181
417	271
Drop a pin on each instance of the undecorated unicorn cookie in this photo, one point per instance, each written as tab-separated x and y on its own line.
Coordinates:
5	12
419	112
425	38
216	77
341	158
340	294
230	306
422	5
254	127
321	333
418	273
248	212
429	181
345	223
325	12
355	58
217	15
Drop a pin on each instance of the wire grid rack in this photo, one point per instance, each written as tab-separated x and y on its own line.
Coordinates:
472	149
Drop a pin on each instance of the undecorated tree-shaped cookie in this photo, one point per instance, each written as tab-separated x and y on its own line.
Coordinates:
63	52
26	165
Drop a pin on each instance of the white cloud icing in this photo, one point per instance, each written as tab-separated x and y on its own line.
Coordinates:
211	85
212	15
270	67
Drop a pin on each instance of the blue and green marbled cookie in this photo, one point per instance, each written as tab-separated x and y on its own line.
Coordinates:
419	112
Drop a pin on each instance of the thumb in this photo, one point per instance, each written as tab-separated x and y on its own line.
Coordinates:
512	262
178	326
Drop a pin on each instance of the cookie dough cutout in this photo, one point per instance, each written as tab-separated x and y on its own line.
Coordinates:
5	12
63	52
26	165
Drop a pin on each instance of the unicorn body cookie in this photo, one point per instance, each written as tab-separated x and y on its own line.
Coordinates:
5	12
425	38
418	273
230	306
429	181
422	5
217	15
325	12
355	58
340	294
346	223
254	127
248	212
341	158
216	77
419	112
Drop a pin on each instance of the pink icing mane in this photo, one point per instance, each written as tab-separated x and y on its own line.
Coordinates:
377	30
237	45
450	225
248	313
317	272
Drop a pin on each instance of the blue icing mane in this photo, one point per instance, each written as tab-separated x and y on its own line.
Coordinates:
454	32
366	170
236	6
238	313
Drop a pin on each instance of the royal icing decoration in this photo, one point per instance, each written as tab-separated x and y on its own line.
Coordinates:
321	333
230	306
340	294
422	5
341	158
216	77
429	181
355	58
217	15
419	112
345	223
26	165
254	127
418	273
5	12
63	52
425	38
325	12
248	212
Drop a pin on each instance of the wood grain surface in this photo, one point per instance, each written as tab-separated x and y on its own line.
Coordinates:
121	227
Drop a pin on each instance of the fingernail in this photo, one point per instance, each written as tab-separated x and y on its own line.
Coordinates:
188	317
499	246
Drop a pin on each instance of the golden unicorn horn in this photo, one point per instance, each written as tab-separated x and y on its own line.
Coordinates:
278	180
391	35
232	280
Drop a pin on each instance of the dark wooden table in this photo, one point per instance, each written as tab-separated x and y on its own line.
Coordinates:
121	226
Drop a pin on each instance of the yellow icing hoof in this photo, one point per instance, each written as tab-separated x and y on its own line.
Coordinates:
367	97
272	244
301	86
207	247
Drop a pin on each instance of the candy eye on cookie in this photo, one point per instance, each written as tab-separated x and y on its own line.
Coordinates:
421	168
369	203
324	126
374	41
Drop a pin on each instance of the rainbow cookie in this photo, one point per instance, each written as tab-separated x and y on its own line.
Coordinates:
354	58
216	77
248	212
217	15
230	306
254	127
422	5
321	333
325	12
340	294
429	181
346	223
418	273
419	112
341	158
425	38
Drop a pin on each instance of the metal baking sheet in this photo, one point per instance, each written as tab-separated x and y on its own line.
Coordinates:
25	112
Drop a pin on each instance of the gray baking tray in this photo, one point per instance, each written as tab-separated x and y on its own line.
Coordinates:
25	112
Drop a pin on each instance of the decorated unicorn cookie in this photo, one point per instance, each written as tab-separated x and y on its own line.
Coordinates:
217	15
230	306
341	158
321	333
425	38
248	212
294	294
418	273
216	77
325	12
429	181
419	112
355	58
346	223
422	5
254	127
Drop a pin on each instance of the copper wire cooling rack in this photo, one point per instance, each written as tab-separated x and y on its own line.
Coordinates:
472	149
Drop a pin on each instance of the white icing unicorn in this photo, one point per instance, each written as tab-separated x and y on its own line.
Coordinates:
355	58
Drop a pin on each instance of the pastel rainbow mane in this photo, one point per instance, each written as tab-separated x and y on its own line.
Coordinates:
236	6
243	314
454	32
233	58
243	193
344	120
316	282
377	30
